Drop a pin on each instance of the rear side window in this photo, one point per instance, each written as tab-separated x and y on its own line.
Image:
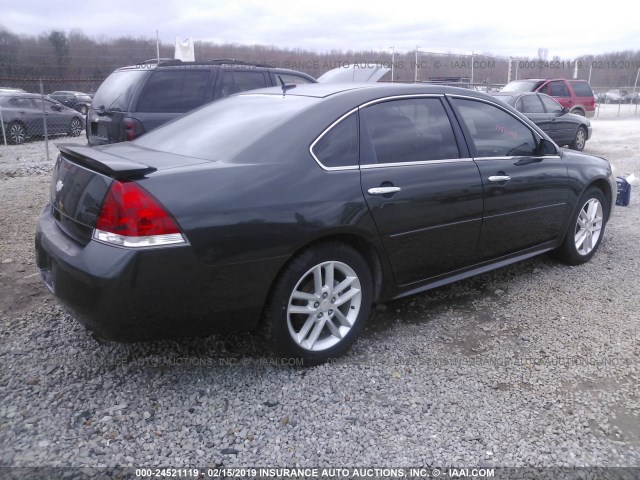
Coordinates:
174	91
339	147
495	133
239	81
289	79
582	89
530	104
412	130
559	89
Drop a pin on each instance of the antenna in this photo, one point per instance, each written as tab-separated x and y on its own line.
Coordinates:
285	86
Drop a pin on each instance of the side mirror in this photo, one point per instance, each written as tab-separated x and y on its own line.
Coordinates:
564	110
57	108
547	147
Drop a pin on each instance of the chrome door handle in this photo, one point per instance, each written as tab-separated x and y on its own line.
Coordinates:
383	190
499	178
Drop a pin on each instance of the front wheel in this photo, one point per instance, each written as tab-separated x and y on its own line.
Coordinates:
580	139
586	229
320	303
75	128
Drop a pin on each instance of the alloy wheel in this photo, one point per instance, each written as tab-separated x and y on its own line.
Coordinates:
588	226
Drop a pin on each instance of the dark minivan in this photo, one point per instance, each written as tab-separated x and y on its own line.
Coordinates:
136	99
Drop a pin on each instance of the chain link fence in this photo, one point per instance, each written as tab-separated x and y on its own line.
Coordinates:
32	110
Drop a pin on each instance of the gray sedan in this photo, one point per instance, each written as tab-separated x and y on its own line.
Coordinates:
563	127
22	115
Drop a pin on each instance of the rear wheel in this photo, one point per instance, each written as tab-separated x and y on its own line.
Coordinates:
320	303
16	133
580	139
75	128
586	229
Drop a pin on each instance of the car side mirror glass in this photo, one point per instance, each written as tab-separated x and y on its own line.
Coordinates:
547	147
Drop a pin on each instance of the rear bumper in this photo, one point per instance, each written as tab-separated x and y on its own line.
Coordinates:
126	294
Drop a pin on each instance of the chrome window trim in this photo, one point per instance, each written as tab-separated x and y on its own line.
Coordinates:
480	159
412	164
370	102
324	132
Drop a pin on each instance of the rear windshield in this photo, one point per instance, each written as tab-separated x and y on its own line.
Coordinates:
115	92
220	129
521	86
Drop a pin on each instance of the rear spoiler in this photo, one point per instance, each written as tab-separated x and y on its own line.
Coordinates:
102	162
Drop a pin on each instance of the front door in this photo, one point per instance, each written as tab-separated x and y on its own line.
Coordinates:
425	199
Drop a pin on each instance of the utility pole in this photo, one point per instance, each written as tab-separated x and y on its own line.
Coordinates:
158	46
416	65
393	59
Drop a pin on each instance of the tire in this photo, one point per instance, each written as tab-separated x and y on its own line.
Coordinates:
308	317
75	127
16	133
580	140
578	111
586	228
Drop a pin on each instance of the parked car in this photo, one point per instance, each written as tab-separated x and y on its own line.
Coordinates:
77	100
296	209
555	120
134	100
11	90
613	96
576	95
22	117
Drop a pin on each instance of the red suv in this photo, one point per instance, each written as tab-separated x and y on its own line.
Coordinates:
576	95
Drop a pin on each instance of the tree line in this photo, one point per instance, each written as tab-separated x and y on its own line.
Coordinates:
60	58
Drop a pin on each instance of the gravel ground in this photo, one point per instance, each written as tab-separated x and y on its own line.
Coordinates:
535	364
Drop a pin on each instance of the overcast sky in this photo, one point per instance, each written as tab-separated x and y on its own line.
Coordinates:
567	29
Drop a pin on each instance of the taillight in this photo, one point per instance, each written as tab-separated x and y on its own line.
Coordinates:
132	128
131	217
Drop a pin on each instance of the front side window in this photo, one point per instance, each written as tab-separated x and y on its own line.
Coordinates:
339	147
411	130
550	104
494	132
174	91
22	103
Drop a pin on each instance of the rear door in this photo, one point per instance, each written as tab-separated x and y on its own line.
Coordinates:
525	194
424	192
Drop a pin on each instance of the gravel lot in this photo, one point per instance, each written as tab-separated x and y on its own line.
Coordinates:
536	364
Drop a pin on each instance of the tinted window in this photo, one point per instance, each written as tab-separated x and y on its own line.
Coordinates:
582	89
530	104
239	81
339	146
494	132
115	92
290	79
174	91
521	86
412	130
22	103
559	89
221	129
550	104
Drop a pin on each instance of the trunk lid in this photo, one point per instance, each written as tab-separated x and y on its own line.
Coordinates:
82	176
